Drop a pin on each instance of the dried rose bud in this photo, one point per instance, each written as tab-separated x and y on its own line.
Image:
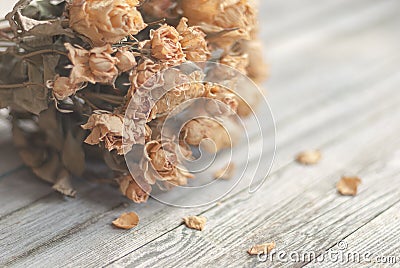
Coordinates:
227	101
193	42
105	21
126	59
94	66
165	45
137	192
256	69
164	163
199	129
237	62
63	88
142	74
105	128
220	15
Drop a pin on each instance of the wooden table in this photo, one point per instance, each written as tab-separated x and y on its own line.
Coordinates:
334	85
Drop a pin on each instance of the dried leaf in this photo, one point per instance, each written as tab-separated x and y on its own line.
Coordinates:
310	157
33	157
225	173
195	222
50	169
50	63
262	248
63	184
127	220
348	185
30	26
73	156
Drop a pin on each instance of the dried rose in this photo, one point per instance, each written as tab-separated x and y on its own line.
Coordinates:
106	128
105	21
165	45
164	163
195	222
63	88
237	62
173	100
193	42
144	71
256	68
139	193
94	66
199	129
237	17
221	100
126	59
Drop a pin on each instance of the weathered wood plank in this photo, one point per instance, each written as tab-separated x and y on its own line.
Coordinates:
378	239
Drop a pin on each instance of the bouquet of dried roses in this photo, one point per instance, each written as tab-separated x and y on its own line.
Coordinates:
94	81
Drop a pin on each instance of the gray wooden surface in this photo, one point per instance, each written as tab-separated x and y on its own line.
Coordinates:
334	85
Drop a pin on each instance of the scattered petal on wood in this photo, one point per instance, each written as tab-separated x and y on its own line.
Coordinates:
225	173
195	222
262	248
310	157
127	220
348	185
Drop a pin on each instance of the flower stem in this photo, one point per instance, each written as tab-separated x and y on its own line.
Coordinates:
26	84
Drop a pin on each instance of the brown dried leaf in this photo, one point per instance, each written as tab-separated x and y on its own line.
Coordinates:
348	185
225	173
73	156
310	157
63	184
195	222
262	248
41	28
127	221
50	169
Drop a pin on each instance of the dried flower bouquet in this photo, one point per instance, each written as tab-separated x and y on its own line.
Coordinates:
70	71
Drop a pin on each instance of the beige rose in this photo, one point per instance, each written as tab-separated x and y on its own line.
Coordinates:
94	66
193	42
126	59
105	21
162	163
224	134
63	88
106	128
136	189
224	21
145	70
165	45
